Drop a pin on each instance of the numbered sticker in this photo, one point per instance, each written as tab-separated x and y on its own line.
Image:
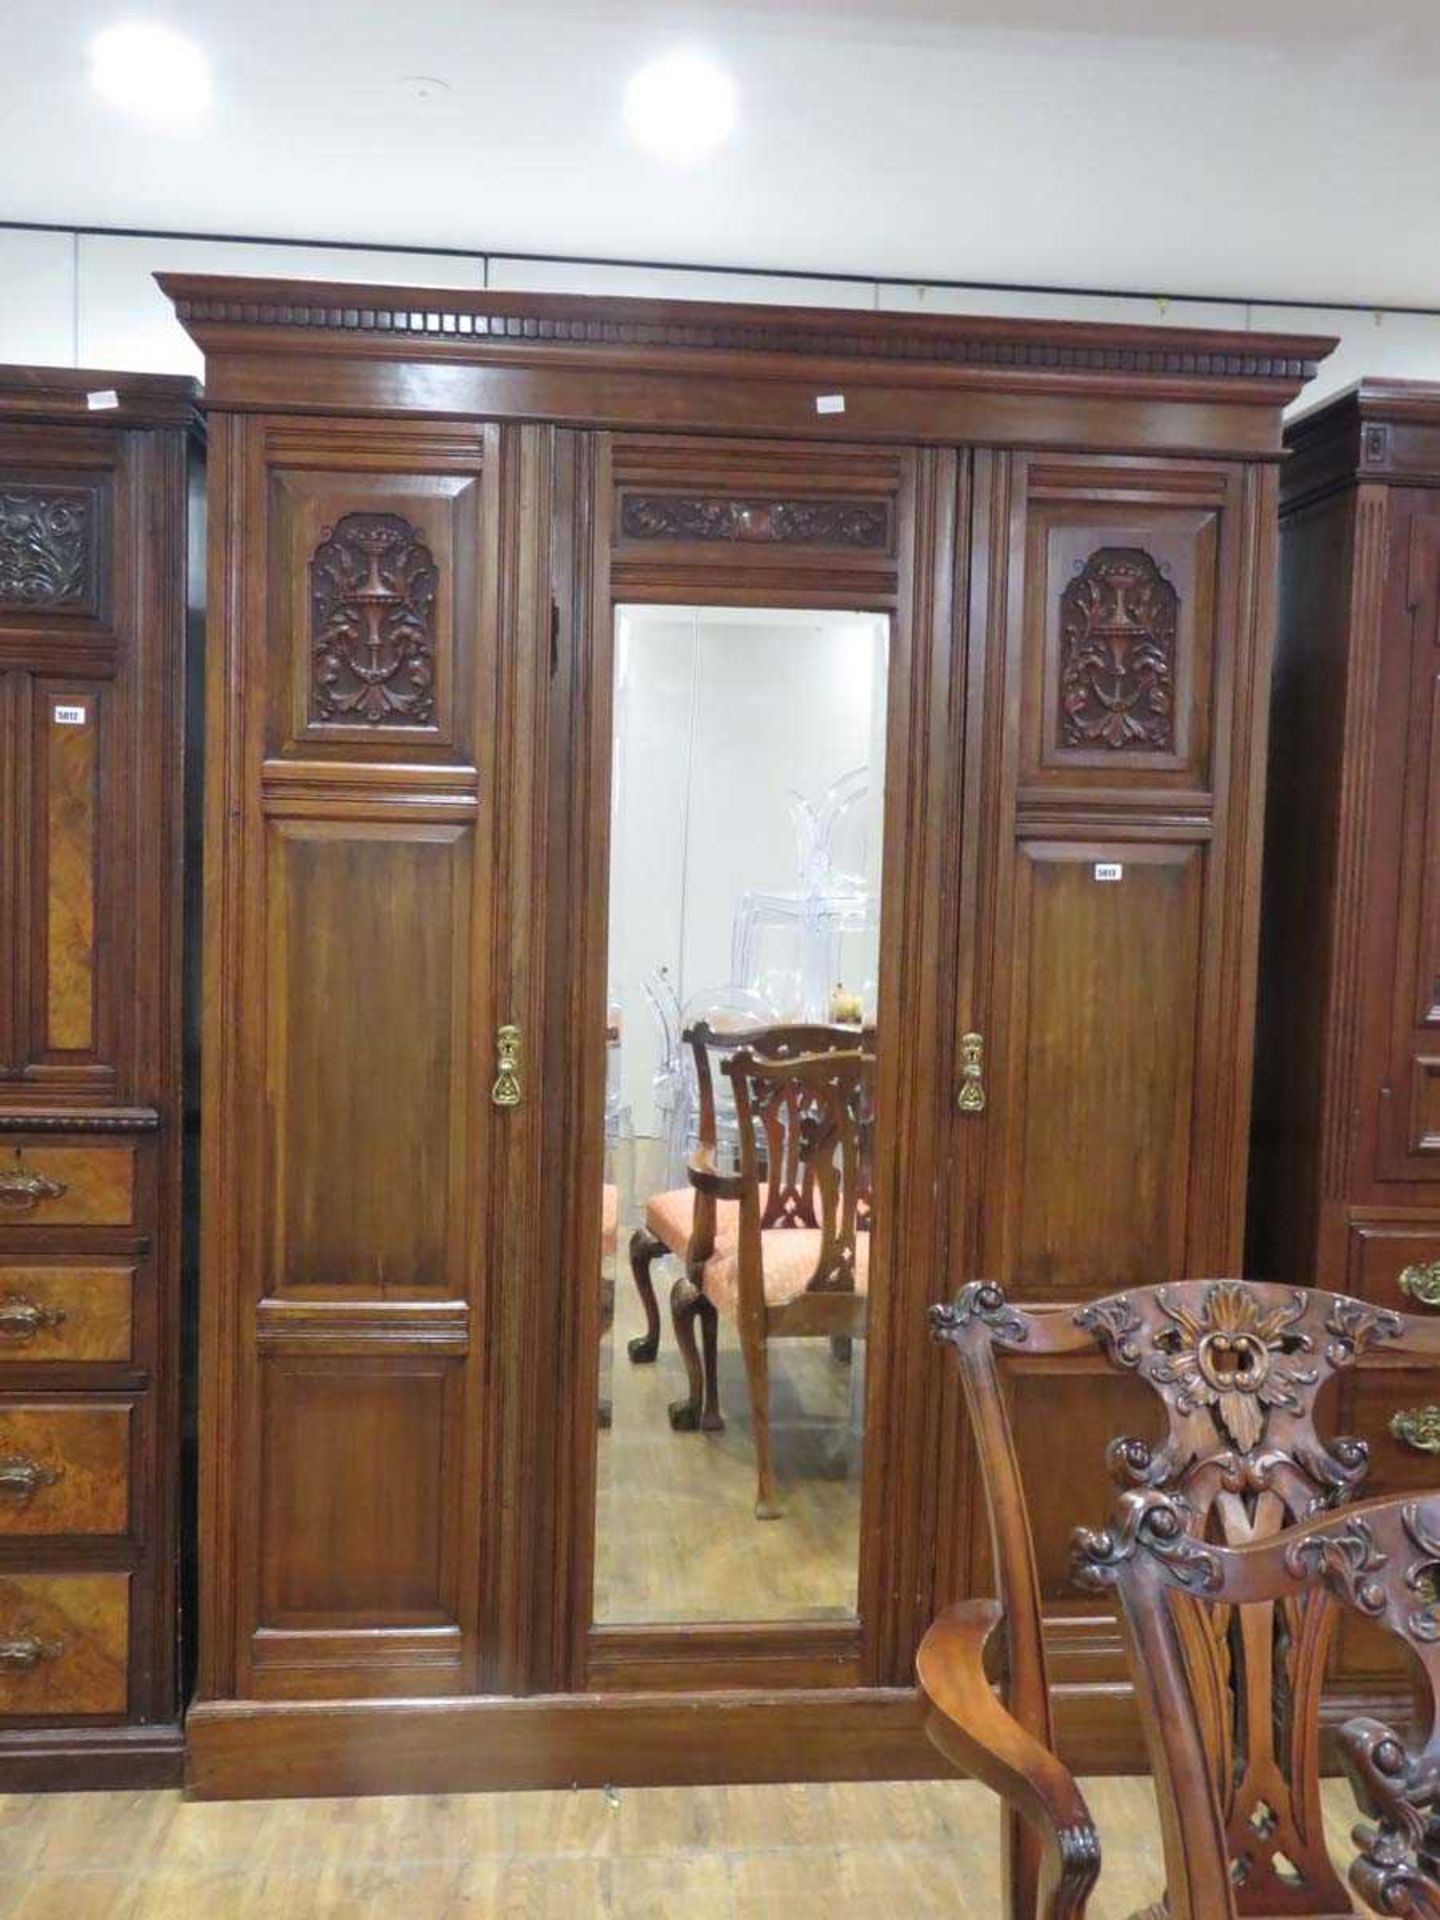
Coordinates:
1109	870
70	716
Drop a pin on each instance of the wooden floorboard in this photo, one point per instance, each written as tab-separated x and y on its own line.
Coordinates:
918	1849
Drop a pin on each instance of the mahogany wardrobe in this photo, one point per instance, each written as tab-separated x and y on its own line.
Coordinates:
97	474
1346	1180
444	529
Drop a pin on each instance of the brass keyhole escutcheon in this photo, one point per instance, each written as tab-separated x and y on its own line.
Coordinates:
971	1098
506	1091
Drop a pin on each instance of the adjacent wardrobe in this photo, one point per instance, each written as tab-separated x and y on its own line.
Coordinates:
97	472
1346	1166
425	510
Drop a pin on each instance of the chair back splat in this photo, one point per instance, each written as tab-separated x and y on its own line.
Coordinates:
1238	1367
1379	1560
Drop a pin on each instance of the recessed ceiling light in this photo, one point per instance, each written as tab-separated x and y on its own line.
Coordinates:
150	71
423	86
680	107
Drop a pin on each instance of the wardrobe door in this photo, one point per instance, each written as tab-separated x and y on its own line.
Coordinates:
1399	1059
1106	1023
356	828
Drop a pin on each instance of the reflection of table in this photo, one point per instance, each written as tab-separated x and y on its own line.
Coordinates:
817	923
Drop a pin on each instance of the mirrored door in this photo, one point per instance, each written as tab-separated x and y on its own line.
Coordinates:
748	761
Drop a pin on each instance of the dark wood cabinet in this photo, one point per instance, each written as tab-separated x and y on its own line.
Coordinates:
96	474
1346	1167
425	508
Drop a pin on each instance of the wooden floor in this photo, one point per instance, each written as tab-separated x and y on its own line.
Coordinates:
740	1853
676	1534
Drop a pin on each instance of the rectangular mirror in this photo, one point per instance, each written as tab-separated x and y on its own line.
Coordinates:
746	834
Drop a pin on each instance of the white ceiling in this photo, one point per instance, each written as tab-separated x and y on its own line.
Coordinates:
1277	148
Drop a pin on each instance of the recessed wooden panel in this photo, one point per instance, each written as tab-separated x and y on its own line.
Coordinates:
64	1468
65	1313
1119	646
1099	1069
1067	1486
368	929
1399	1049
64	1640
357	1492
1425	1105
45	1186
68	727
373	607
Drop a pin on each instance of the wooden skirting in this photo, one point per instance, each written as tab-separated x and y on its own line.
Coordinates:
258	1749
246	1749
85	1760
252	1749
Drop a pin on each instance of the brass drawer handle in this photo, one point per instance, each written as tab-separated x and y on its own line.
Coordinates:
971	1098
20	1191
506	1090
1422	1282
22	1479
1418	1427
22	1319
24	1653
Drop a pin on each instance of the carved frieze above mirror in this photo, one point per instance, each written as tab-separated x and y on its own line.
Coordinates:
854	525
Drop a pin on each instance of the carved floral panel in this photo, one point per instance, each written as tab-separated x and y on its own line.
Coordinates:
373	582
1119	617
47	549
861	525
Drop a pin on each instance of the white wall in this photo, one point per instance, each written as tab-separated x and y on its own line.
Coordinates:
71	299
719	716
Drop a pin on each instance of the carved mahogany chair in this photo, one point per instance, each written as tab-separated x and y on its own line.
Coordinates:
1379	1560
1237	1367
692	1222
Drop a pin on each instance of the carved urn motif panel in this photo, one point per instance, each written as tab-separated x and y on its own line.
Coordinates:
372	623
47	557
1118	622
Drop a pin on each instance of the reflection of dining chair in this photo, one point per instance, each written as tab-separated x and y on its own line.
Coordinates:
609	1234
801	1265
668	1081
678	1212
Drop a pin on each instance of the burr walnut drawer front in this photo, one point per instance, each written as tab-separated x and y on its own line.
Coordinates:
1397	1265
64	1468
64	1643
67	1186
59	1311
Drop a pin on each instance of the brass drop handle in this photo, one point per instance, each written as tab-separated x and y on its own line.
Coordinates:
21	1190
1422	1282
971	1098
506	1090
1417	1427
25	1652
22	1479
22	1319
